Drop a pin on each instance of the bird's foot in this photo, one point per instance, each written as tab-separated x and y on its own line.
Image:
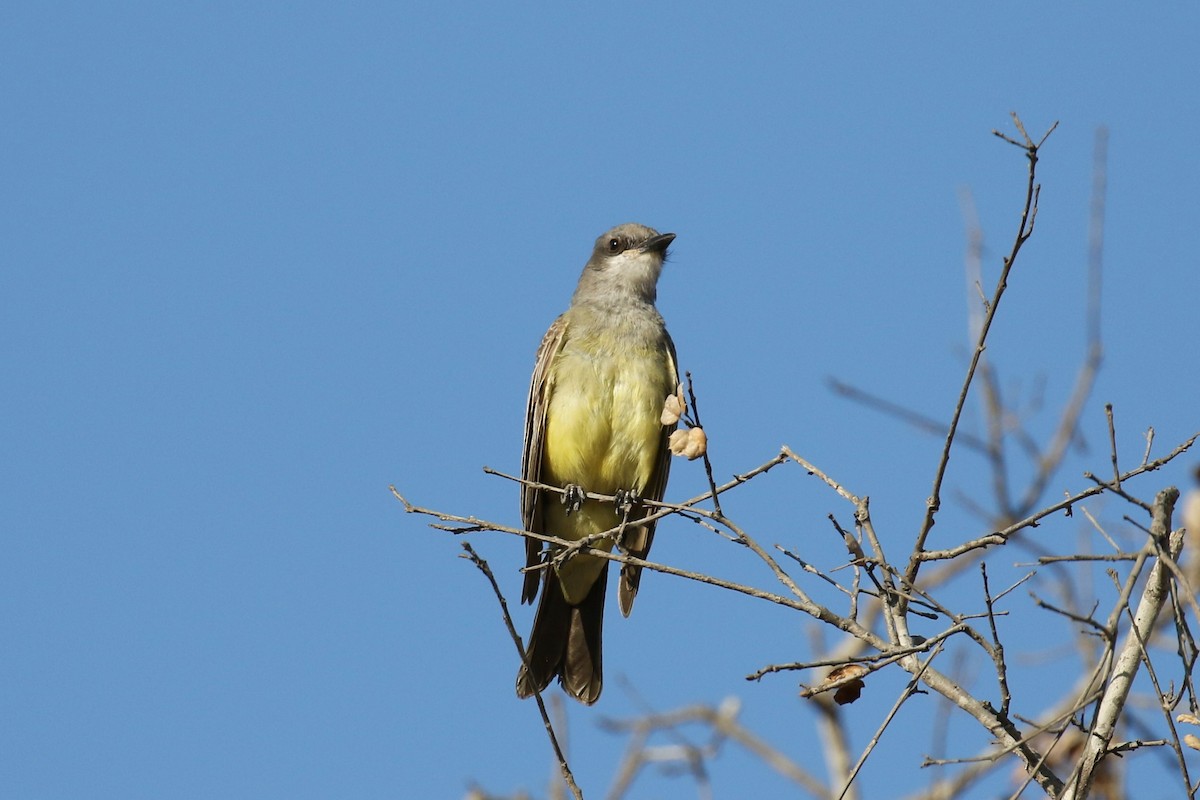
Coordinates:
625	500
573	496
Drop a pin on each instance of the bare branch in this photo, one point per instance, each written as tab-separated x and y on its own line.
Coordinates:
1125	668
997	647
909	690
1024	231
1002	536
516	638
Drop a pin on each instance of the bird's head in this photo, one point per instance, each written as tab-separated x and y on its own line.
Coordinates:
627	260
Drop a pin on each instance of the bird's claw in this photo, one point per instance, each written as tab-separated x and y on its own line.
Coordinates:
625	500
573	496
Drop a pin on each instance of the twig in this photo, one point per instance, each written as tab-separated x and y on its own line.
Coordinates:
1101	630
835	744
997	647
909	690
1112	444
516	638
1100	528
1024	231
889	657
813	470
1068	427
1002	536
708	471
1149	444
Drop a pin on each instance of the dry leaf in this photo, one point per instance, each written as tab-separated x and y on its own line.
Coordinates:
845	671
1190	719
844	695
857	556
678	441
852	689
1191	741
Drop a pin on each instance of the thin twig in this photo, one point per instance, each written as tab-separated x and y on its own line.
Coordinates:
1067	430
708	471
909	690
516	638
813	470
1002	536
1112	443
997	647
1024	231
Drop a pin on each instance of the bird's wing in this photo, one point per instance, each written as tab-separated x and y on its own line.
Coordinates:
637	541
531	456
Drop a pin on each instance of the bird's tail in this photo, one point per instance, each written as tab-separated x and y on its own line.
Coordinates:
565	641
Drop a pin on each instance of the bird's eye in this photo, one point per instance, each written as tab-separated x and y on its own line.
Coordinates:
614	245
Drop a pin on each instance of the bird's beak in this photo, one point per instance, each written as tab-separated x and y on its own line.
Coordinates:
658	244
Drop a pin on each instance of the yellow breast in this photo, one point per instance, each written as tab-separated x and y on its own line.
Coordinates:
603	427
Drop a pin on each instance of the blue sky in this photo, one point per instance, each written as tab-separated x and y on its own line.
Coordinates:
261	261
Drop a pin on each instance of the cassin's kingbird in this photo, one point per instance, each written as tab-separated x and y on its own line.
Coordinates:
594	423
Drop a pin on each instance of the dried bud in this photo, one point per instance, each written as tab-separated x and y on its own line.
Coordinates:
1191	741
697	444
673	409
678	441
1190	719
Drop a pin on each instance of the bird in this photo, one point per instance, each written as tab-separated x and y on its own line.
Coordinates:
594	423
